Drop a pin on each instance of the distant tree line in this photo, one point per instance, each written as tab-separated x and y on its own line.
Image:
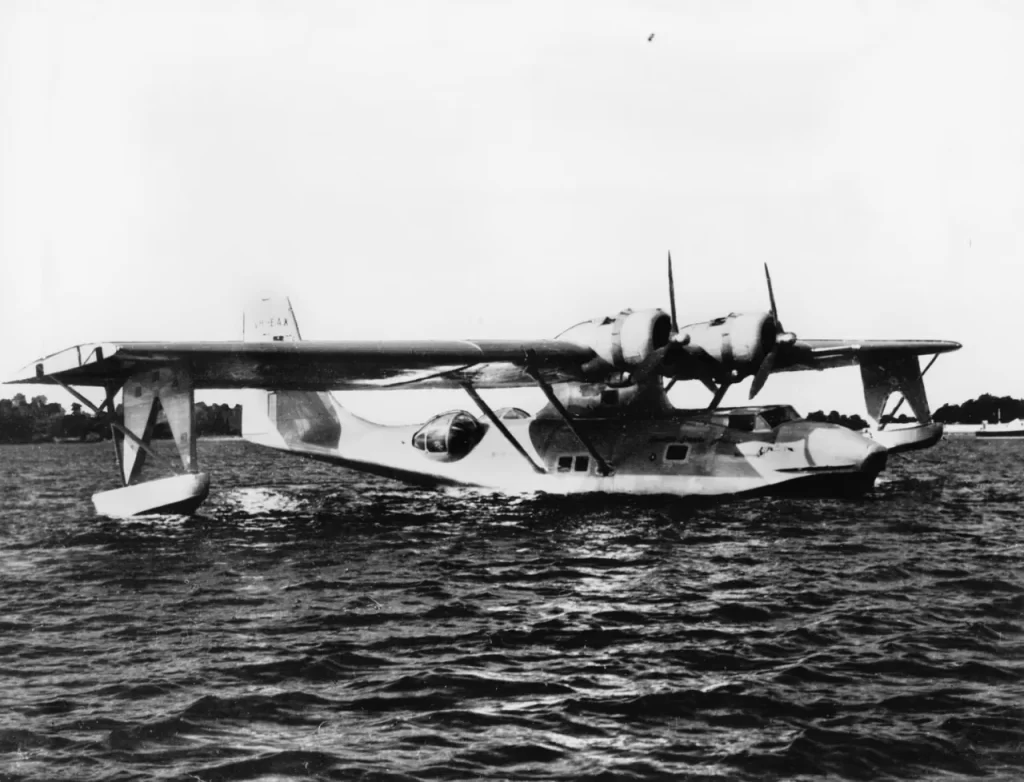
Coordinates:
974	411
985	408
39	421
849	421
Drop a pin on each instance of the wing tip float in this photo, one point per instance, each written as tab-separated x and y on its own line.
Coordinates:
603	379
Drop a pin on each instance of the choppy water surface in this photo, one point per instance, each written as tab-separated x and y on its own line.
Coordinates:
327	625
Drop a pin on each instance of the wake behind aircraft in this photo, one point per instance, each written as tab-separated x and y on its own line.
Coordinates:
608	425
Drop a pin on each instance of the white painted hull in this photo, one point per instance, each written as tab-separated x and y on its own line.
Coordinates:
493	467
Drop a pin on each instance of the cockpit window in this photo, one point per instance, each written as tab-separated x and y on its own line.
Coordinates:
743	422
511	413
774	416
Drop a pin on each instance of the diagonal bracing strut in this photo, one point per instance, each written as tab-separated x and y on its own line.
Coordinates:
903	398
501	426
123	430
602	466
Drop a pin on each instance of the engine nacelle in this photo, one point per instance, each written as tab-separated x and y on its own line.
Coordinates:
738	343
449	436
625	341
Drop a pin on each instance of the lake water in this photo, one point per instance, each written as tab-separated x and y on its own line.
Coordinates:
313	623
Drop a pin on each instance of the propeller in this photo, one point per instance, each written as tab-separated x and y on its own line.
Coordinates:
654	361
672	296
782	339
699	362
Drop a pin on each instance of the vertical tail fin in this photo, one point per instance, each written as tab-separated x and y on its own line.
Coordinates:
294	420
270	320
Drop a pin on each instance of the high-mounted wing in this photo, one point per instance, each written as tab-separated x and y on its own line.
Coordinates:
830	353
320	366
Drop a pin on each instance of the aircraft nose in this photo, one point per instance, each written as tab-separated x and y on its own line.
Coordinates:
875	460
841	447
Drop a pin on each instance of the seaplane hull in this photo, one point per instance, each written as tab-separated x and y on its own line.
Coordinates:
735	451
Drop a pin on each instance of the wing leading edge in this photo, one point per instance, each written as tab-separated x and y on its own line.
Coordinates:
426	364
320	366
818	354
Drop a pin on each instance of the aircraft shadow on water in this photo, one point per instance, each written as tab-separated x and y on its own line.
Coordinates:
608	426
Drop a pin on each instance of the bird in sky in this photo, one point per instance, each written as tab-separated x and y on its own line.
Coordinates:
650	37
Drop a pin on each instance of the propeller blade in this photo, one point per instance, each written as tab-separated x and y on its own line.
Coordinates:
762	372
650	365
782	337
672	295
771	298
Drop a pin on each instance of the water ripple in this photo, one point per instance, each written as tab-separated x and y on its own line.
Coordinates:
329	625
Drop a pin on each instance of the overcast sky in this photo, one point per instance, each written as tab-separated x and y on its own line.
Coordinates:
505	170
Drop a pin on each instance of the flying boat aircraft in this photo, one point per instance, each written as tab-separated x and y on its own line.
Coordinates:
608	425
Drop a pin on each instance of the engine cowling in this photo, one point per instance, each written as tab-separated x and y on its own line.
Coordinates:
737	342
626	340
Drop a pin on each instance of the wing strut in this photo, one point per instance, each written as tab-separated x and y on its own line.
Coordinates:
602	465
903	397
719	394
501	426
109	403
172	387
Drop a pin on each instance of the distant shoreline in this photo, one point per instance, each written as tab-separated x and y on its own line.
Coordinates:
68	441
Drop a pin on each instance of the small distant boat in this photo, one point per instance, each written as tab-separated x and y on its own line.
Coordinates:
1010	429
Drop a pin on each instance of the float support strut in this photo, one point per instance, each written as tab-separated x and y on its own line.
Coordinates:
903	399
500	426
113	424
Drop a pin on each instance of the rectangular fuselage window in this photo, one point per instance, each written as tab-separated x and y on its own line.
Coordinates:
677	452
573	463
